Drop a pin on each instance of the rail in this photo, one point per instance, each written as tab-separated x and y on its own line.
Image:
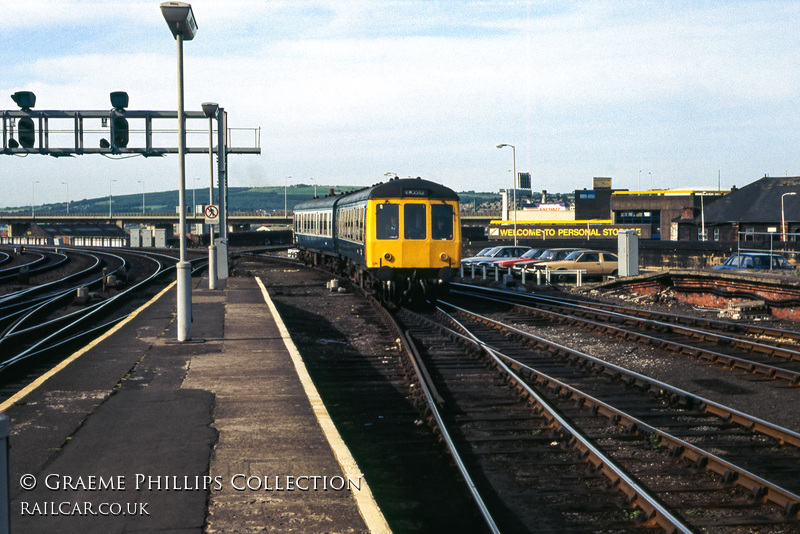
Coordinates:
638	494
432	399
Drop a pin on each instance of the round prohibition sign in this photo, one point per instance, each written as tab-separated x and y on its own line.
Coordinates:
212	214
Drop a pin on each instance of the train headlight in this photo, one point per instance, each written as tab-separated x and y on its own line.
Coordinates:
388	257
443	256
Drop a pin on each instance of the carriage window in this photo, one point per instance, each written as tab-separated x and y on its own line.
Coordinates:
414	221
442	215
386	221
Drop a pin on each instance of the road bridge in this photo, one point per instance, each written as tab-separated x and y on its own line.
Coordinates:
243	220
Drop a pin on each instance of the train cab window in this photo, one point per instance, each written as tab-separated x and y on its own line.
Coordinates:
414	221
387	225
442	216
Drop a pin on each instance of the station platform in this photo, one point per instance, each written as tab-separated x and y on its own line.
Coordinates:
140	433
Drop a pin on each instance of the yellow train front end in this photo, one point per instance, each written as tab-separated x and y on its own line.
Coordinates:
413	241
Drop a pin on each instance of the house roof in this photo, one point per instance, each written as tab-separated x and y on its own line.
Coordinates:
759	202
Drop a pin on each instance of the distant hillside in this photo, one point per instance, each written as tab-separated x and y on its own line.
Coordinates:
268	199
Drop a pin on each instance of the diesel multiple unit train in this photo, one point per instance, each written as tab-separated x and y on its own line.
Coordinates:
401	239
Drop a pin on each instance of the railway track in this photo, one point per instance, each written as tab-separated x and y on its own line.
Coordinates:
42	320
38	262
769	352
597	447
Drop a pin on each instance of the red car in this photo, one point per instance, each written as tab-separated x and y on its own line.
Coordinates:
551	254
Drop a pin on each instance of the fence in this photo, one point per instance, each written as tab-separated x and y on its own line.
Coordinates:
525	274
768	242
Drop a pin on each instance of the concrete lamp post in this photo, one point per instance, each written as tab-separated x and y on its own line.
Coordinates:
513	185
180	20
783	218
142	182
66	184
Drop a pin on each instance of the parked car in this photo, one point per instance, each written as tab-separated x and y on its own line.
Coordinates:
550	254
480	255
532	254
757	260
594	262
495	254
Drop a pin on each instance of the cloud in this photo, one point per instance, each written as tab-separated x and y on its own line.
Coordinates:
352	89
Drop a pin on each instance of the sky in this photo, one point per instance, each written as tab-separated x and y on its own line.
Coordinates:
654	94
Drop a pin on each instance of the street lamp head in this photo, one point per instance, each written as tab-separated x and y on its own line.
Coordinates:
180	19
501	145
210	109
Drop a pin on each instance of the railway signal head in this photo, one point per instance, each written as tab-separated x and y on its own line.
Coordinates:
26	131
119	124
119	128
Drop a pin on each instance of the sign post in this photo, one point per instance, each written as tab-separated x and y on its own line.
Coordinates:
211	213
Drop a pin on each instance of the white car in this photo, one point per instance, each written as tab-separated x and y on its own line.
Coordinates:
497	253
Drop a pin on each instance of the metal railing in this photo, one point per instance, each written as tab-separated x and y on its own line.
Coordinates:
484	271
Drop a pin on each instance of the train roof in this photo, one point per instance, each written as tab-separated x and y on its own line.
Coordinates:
318	203
397	188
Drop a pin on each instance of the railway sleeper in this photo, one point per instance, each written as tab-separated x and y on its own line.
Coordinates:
791	510
711	357
730	477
